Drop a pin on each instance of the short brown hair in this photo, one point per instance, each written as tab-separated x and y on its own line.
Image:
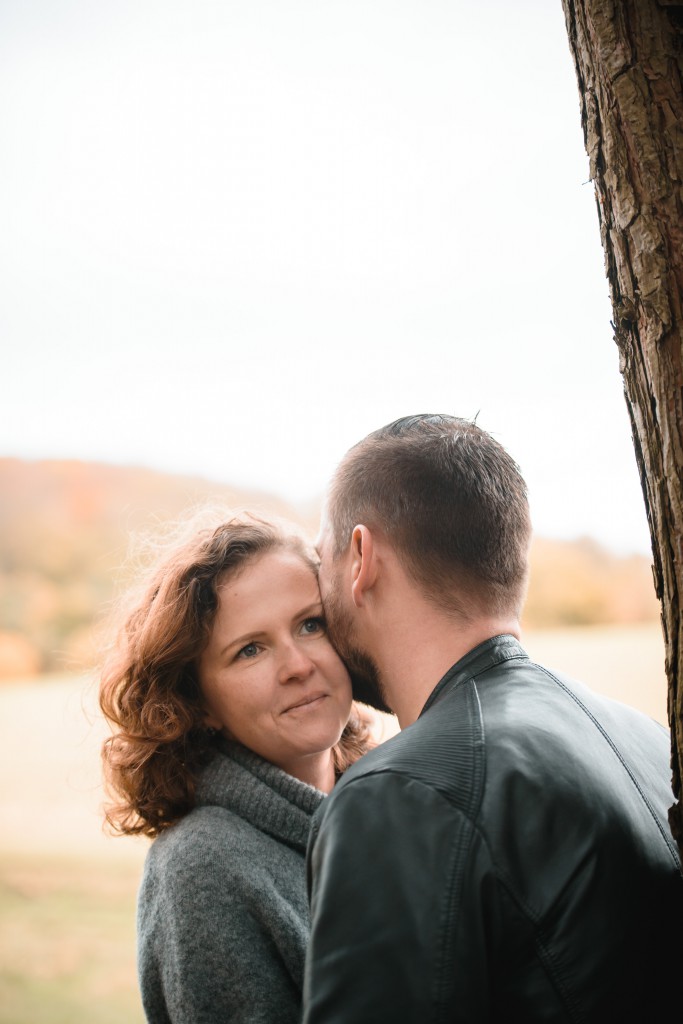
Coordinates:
150	687
451	501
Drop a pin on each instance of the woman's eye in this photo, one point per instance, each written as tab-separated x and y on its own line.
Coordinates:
312	626
248	651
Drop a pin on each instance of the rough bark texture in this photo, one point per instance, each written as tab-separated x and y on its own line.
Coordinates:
628	56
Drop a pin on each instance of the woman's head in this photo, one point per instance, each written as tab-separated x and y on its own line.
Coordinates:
171	682
269	676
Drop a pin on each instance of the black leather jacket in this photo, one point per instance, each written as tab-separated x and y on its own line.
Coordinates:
505	858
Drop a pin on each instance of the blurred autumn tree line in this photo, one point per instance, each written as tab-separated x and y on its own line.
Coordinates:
64	541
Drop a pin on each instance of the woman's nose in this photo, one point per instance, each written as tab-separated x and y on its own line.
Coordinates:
294	663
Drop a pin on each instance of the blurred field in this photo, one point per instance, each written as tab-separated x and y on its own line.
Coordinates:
67	892
67	940
623	662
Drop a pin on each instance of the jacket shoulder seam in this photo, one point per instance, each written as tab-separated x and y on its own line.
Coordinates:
627	768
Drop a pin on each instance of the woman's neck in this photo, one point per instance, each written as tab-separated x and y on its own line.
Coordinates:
315	770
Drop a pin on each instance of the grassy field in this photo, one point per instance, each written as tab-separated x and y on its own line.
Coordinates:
67	892
67	940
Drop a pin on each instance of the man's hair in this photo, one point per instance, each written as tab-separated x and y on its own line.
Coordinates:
450	500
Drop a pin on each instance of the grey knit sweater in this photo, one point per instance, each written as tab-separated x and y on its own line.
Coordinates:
222	909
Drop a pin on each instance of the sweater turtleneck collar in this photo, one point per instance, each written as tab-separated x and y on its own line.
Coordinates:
270	799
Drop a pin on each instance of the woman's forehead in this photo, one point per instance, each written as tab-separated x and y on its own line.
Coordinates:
280	574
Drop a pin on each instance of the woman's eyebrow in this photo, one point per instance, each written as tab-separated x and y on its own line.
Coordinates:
254	634
314	608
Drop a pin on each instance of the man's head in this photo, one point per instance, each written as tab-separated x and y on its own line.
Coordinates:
451	504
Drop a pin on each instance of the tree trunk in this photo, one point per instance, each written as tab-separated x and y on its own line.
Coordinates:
628	56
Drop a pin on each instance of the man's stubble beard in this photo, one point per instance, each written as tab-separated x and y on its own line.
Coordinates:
366	684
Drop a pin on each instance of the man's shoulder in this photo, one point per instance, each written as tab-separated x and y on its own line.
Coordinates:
556	751
524	697
442	752
444	749
482	726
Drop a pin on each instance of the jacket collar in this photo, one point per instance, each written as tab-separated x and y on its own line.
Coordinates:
484	656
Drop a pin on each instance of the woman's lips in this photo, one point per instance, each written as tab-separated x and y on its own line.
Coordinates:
310	701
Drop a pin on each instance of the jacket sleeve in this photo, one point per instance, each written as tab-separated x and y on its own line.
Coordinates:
403	907
205	953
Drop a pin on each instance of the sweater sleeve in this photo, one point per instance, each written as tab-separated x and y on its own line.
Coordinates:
397	929
208	943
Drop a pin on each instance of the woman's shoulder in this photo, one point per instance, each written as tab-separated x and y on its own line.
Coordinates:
220	848
213	858
208	835
210	857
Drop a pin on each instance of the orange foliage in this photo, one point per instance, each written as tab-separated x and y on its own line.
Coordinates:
19	659
65	529
579	583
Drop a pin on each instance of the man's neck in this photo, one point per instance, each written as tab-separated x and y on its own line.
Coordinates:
415	654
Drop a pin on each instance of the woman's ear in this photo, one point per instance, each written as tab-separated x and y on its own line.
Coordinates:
363	564
209	721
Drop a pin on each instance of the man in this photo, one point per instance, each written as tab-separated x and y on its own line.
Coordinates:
507	856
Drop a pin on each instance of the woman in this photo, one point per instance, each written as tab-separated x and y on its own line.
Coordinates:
232	716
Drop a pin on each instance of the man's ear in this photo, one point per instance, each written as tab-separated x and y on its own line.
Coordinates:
363	564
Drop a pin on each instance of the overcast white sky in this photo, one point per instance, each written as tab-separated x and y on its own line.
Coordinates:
237	236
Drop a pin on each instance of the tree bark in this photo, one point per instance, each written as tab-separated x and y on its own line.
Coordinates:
628	56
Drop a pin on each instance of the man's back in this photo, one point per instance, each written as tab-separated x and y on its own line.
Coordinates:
507	857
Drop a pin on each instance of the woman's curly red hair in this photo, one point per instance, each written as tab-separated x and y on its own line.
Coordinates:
150	689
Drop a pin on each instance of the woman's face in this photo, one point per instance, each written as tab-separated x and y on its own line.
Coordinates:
269	676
